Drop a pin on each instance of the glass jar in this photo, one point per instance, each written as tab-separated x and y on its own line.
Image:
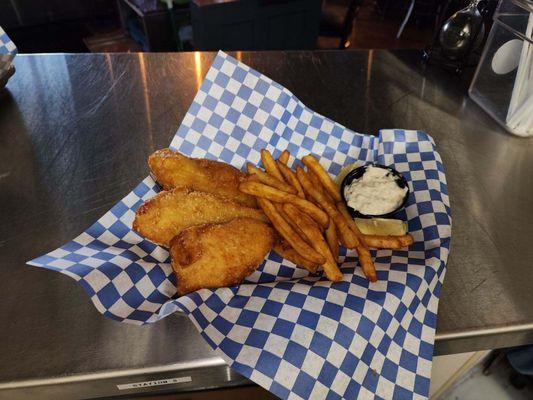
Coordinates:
503	82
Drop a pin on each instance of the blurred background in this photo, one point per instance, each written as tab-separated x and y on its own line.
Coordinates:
185	25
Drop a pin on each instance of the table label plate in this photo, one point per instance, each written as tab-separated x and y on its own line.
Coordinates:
159	382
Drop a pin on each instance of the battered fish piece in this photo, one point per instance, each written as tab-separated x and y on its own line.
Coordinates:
168	213
219	255
172	170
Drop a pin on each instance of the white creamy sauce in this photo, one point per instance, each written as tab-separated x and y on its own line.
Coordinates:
375	193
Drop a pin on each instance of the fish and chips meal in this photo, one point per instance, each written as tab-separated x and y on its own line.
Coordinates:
219	223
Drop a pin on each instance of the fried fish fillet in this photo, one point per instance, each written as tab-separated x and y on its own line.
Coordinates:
172	170
168	213
218	255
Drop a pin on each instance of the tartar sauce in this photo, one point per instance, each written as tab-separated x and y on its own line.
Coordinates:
376	192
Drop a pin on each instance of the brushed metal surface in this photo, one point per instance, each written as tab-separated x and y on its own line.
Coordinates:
75	131
100	385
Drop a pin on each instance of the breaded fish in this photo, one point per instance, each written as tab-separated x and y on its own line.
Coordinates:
168	213
218	255
172	170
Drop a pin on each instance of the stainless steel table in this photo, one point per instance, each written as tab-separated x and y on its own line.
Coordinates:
75	131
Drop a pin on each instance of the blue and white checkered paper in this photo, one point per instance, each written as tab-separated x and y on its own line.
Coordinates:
8	50
298	336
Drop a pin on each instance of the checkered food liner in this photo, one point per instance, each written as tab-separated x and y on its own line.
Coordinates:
8	50
298	336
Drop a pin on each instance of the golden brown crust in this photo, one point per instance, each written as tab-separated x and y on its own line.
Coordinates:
173	170
168	213
191	251
219	255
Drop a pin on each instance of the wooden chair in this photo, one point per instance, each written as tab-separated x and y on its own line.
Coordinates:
432	8
338	18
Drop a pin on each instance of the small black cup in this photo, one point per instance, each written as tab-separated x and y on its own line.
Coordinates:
358	173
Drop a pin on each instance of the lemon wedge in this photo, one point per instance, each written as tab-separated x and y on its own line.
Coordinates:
381	226
346	170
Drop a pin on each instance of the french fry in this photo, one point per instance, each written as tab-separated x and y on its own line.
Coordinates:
287	252
346	234
289	234
346	214
367	264
332	239
270	180
313	234
270	165
290	177
284	157
330	186
387	242
279	208
267	192
365	258
317	184
347	237
314	180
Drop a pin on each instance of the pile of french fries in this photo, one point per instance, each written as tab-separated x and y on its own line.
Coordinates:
307	211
